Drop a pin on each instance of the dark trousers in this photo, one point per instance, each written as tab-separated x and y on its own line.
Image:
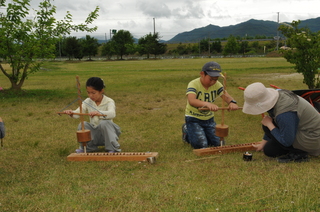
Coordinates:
274	148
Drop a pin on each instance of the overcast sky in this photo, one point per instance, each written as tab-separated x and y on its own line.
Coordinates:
176	16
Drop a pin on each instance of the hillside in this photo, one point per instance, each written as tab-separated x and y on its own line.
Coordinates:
249	28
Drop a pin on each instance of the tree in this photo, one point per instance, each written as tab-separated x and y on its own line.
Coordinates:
131	48
157	47
304	52
193	49
244	46
107	49
146	44
90	46
23	41
182	49
255	46
150	44
232	46
59	45
120	41
216	46
204	45
72	48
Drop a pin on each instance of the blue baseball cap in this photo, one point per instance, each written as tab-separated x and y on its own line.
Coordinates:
213	69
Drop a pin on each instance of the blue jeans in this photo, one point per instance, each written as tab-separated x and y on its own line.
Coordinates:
201	133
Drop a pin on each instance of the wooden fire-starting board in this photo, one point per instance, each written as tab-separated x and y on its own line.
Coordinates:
225	149
118	156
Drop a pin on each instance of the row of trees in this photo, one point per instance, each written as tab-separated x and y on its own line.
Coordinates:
73	47
122	43
233	46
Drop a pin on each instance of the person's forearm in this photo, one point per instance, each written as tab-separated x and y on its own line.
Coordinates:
227	97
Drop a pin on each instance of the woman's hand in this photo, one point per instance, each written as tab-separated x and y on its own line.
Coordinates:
259	146
267	121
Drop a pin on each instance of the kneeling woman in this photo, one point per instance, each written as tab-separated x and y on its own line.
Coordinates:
104	132
292	127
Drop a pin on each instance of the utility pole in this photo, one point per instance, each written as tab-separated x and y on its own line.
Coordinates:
154	26
278	33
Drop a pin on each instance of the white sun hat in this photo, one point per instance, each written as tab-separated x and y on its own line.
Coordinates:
259	99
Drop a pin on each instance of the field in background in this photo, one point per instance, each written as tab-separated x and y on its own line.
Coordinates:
150	100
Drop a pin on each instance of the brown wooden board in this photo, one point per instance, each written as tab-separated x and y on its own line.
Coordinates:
224	149
118	156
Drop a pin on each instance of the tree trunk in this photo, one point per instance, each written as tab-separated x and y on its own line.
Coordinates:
15	86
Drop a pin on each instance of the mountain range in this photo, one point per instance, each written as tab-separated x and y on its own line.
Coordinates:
250	28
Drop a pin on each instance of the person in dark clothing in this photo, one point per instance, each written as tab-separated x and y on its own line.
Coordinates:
292	126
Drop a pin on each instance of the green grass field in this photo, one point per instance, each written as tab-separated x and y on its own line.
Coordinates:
150	98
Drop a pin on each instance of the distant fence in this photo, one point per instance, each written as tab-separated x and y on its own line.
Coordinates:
151	57
158	57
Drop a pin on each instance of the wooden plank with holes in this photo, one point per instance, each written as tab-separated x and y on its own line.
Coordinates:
118	156
224	149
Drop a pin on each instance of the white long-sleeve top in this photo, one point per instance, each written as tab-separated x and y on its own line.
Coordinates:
106	107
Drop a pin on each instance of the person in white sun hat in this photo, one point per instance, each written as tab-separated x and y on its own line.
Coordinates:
292	126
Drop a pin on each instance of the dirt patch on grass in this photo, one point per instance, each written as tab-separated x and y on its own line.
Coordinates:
278	76
289	76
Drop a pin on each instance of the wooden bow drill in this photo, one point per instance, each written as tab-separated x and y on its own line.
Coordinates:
222	129
83	135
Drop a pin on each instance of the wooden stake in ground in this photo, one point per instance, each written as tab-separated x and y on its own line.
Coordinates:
83	135
222	129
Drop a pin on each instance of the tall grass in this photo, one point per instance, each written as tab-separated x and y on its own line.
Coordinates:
150	100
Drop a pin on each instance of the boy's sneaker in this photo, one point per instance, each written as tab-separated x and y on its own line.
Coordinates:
79	151
295	157
184	133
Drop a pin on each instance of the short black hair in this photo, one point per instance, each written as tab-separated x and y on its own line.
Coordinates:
96	83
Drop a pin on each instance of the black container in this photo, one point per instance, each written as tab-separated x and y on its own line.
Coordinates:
247	156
